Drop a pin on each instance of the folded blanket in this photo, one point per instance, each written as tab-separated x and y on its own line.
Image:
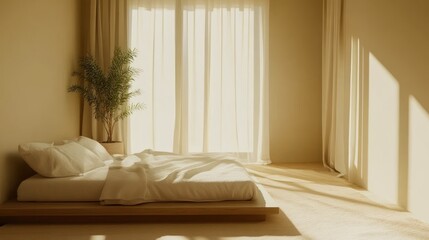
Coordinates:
153	177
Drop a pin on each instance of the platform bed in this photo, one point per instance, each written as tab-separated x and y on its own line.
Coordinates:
149	186
92	212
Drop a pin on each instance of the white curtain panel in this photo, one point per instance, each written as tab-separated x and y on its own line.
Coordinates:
343	97
204	76
335	87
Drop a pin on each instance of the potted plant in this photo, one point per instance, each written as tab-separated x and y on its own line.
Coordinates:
108	93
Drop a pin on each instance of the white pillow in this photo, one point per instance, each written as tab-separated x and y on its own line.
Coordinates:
65	160
94	147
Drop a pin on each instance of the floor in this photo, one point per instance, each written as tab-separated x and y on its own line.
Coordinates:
315	204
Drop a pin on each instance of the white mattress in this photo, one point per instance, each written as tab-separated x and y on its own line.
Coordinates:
160	177
81	188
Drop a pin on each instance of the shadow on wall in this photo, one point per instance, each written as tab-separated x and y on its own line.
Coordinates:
388	59
17	170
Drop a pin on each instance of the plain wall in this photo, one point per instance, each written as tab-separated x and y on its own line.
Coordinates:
295	80
391	38
39	49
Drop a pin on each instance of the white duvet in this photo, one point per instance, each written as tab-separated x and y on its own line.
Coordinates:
154	177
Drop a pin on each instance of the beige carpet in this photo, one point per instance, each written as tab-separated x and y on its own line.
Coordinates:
314	204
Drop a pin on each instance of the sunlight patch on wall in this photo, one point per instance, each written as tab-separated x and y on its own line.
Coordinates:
418	195
383	131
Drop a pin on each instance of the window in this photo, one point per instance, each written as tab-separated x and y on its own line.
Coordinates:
204	76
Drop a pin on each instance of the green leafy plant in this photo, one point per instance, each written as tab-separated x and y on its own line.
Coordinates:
108	94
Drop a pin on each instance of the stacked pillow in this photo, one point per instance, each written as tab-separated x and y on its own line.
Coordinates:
72	158
94	147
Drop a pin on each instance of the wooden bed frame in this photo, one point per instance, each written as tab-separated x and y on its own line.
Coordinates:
92	212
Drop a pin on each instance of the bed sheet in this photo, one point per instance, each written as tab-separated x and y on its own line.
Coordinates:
87	187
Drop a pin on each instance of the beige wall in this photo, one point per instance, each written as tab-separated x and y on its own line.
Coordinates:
39	48
391	40
295	80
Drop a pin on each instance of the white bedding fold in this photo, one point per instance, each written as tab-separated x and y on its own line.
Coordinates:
168	177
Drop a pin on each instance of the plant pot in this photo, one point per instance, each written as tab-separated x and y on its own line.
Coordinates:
114	147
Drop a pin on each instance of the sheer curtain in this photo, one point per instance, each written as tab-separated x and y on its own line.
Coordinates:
343	97
335	101
204	76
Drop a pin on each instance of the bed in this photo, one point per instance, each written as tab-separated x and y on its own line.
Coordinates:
175	188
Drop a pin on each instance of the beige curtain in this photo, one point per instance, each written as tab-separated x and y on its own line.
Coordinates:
343	97
105	27
335	102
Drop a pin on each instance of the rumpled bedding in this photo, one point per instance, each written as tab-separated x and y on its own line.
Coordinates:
166	177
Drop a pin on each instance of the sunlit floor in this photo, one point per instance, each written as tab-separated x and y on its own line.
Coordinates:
314	205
